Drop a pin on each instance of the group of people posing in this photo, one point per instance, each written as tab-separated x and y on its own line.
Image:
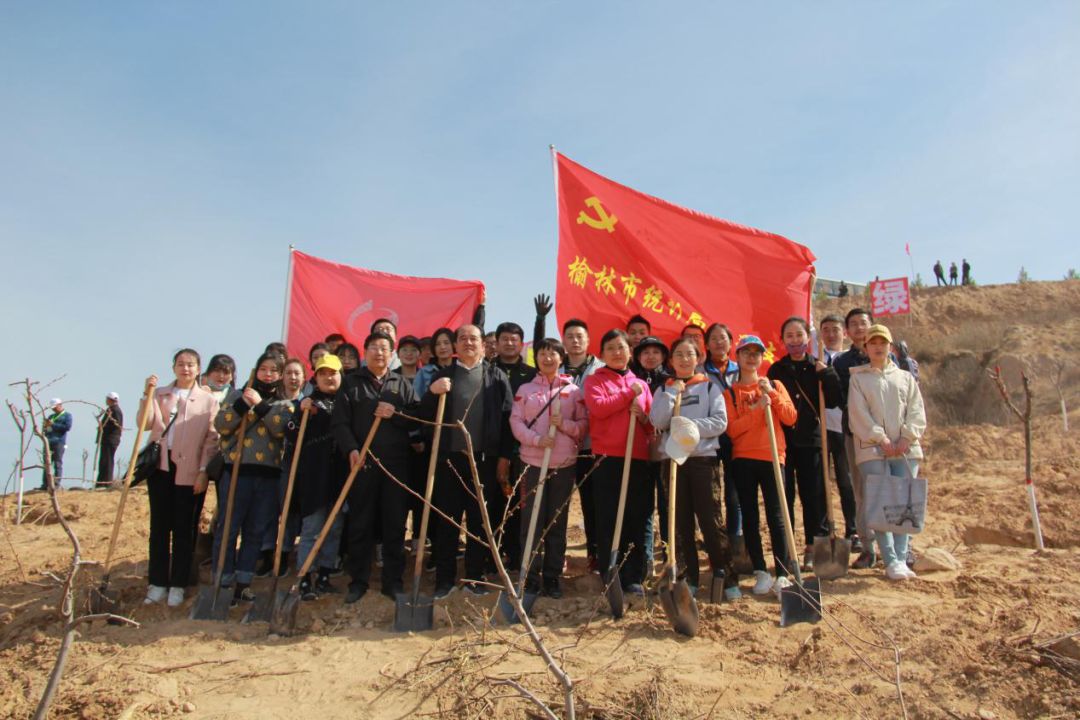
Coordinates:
578	406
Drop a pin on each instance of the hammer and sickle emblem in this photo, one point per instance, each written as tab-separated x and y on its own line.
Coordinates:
602	221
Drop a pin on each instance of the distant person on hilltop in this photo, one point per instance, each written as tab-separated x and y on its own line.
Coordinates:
966	277
842	291
57	426
952	273
939	274
110	425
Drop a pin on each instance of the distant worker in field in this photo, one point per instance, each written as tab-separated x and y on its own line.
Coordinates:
110	426
939	274
966	276
952	273
57	425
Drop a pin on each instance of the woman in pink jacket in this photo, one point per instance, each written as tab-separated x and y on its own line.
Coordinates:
613	395
548	400
182	418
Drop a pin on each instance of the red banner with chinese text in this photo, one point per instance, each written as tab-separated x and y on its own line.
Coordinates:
327	297
622	252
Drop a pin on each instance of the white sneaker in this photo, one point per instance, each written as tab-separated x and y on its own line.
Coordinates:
763	582
780	584
897	571
176	597
733	593
155	595
910	573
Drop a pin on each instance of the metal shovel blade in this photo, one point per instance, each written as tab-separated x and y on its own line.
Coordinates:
102	600
528	599
831	557
613	590
263	607
679	606
283	615
211	604
413	614
716	588
800	603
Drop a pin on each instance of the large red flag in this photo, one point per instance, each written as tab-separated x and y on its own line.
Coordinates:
327	297
622	252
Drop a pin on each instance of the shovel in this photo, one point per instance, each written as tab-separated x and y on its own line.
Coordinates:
831	553
213	602
800	602
265	602
675	596
283	616
613	588
528	599
413	611
101	599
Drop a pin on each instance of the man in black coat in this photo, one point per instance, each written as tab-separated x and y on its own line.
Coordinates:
478	395
369	392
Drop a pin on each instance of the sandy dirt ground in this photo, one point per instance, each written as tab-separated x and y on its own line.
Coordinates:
964	643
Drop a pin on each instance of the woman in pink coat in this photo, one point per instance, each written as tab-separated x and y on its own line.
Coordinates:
614	396
549	400
182	419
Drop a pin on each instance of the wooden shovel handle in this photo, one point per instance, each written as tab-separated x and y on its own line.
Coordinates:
625	481
825	460
227	525
288	492
340	501
143	417
429	489
789	533
671	494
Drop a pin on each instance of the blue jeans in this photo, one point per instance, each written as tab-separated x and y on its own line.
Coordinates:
254	510
310	528
893	546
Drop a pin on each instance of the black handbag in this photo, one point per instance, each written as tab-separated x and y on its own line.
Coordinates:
149	458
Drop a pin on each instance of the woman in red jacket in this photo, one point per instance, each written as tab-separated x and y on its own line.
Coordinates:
751	462
613	395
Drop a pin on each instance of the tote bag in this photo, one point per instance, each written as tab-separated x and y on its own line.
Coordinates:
896	504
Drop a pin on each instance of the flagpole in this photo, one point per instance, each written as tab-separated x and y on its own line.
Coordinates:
911	286
555	179
810	313
288	297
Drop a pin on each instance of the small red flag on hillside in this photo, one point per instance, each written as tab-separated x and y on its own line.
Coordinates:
622	252
327	297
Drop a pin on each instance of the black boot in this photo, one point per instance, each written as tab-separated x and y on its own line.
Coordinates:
322	583
306	590
265	564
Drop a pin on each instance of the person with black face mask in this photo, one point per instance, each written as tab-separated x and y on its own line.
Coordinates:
800	373
255	505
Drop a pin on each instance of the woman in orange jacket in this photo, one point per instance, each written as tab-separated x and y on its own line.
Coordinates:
751	462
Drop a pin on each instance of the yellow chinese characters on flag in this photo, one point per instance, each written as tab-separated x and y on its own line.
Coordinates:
624	253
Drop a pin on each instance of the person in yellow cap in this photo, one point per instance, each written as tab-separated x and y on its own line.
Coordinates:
320	474
887	419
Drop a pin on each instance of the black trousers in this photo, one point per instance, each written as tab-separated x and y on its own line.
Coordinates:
802	471
749	476
57	454
549	538
106	463
607	480
842	473
694	497
171	541
374	496
585	495
454	495
418	467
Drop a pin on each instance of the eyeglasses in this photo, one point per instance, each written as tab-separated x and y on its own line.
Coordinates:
684	356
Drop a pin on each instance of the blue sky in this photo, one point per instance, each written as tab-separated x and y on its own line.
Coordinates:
159	158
